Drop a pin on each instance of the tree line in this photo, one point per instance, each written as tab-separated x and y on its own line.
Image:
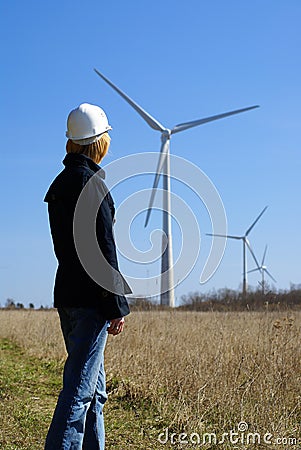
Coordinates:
12	304
215	300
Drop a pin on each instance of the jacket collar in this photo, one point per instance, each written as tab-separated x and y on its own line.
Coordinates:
78	159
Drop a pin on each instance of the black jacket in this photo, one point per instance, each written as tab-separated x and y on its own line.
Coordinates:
73	286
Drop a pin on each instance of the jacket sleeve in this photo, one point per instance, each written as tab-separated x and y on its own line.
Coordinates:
106	240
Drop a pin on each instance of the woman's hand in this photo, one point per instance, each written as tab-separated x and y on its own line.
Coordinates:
116	326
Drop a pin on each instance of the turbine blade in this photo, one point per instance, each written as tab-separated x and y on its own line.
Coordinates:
263	258
252	253
224	236
146	116
162	157
255	221
195	123
270	275
254	270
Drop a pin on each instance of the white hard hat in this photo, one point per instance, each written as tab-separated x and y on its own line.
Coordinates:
86	123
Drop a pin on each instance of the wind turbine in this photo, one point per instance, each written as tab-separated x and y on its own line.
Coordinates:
163	167
245	244
263	269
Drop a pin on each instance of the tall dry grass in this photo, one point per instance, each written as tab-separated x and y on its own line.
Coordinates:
199	371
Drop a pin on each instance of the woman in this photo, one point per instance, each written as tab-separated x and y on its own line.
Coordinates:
88	310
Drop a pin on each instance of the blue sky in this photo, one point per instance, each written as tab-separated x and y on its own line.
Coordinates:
180	61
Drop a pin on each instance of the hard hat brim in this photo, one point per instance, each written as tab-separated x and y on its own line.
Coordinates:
77	138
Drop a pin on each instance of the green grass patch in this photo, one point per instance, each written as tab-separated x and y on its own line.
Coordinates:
28	389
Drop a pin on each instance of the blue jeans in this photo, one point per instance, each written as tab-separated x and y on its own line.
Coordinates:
77	422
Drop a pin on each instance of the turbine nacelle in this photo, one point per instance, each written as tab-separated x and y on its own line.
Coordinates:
166	134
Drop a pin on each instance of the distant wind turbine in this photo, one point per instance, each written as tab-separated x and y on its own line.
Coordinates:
163	167
263	269
245	243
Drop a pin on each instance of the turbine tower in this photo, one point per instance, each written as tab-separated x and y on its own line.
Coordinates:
163	167
245	244
263	269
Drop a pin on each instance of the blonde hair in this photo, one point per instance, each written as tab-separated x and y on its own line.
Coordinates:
96	151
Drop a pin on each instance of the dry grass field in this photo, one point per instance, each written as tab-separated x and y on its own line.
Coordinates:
187	372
